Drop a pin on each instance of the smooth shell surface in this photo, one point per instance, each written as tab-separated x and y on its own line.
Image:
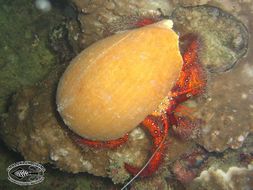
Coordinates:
110	87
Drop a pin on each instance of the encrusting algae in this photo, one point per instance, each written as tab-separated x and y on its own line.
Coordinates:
110	87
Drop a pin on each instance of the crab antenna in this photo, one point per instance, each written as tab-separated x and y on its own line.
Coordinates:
151	157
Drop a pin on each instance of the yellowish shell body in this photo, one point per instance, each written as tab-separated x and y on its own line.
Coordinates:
111	86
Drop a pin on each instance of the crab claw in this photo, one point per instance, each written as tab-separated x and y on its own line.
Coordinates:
157	150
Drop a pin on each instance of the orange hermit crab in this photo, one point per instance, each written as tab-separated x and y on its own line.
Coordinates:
118	82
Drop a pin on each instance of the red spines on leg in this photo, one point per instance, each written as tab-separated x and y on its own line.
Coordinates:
192	80
157	150
111	144
186	127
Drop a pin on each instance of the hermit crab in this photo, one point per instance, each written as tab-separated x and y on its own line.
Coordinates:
123	80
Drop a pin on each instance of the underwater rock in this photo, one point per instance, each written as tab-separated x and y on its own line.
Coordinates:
231	169
24	54
235	178
54	179
59	43
224	42
226	109
96	16
224	38
154	183
34	129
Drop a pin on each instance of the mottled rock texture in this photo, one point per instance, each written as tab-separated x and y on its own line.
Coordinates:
33	127
95	17
226	109
224	39
25	56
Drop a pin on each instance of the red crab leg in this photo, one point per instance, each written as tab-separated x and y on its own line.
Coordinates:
191	81
157	151
111	144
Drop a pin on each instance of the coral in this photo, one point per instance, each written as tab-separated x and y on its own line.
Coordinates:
197	161
234	179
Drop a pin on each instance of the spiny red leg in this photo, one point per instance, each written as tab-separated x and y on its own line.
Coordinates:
157	150
191	83
111	144
185	126
192	80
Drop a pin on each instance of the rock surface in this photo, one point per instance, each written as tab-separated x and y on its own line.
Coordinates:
96	16
34	128
25	57
226	109
224	38
36	131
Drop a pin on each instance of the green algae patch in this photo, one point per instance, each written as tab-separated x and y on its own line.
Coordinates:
25	56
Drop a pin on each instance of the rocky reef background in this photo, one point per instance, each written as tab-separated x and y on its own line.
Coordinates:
37	46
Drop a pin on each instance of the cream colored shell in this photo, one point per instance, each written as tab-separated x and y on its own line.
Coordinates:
110	87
